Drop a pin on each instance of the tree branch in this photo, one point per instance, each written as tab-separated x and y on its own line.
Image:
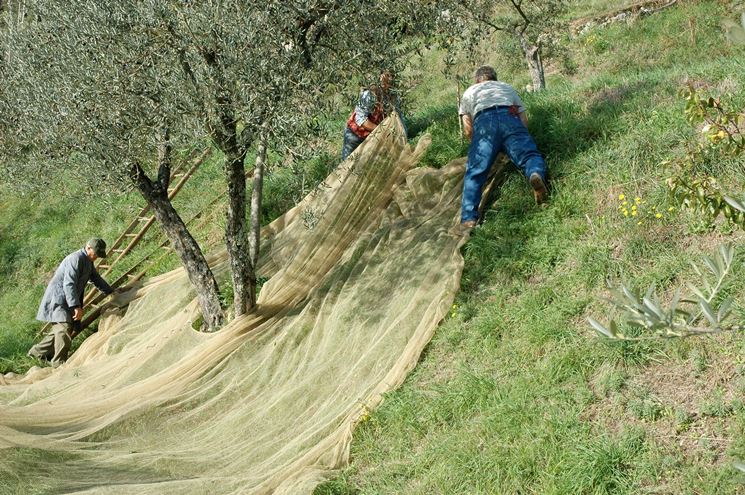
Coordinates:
141	181
518	7
164	159
224	128
494	26
185	65
306	24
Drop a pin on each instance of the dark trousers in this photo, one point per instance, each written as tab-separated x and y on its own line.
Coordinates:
55	345
351	141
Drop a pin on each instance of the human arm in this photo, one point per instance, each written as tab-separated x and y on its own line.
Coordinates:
465	112
364	109
100	283
77	312
369	125
522	111
467	126
70	275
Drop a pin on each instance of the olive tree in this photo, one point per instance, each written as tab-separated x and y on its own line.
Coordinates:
533	24
103	91
87	105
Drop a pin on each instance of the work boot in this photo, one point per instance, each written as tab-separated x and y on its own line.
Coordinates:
464	228
539	188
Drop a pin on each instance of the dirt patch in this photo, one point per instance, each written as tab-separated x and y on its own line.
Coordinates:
725	86
709	243
684	407
606	96
536	279
681	385
630	12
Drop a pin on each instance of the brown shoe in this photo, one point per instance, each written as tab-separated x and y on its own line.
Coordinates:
464	228
539	188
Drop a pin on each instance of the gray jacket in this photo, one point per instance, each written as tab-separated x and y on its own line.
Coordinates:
65	290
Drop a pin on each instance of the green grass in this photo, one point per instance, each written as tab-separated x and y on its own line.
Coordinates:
515	393
37	233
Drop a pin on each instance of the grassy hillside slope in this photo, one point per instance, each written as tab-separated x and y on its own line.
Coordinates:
37	232
516	394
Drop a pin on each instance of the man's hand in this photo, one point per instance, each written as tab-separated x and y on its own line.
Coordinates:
77	314
369	125
117	298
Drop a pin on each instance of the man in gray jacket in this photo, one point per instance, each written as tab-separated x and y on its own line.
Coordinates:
62	303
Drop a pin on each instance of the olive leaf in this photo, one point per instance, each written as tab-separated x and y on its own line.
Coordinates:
647	313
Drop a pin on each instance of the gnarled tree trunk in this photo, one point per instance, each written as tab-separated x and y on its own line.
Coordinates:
223	126
535	64
236	236
191	256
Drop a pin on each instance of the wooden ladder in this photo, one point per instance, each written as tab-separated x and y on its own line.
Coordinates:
129	239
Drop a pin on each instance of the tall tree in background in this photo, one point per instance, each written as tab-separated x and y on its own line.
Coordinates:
529	22
98	94
259	68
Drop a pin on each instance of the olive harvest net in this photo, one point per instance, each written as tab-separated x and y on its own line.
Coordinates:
359	275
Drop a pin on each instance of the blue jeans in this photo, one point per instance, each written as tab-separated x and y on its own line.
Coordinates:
495	130
351	141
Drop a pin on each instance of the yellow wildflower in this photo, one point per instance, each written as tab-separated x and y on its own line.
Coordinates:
658	215
621	197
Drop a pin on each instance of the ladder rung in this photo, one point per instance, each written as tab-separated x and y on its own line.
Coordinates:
105	267
117	250
144	219
131	235
131	276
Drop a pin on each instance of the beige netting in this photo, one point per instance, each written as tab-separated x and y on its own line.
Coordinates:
361	273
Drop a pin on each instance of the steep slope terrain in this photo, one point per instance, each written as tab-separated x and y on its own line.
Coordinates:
516	393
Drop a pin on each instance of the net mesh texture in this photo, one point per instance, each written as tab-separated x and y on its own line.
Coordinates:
360	273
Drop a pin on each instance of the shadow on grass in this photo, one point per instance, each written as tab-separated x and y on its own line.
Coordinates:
563	129
420	122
